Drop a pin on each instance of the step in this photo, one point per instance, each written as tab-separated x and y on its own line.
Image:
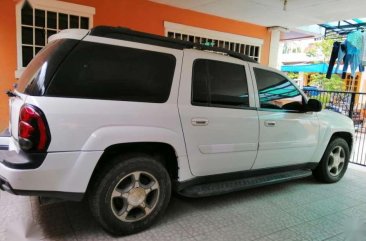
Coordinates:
223	187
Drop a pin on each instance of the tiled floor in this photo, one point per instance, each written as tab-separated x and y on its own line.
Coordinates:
298	210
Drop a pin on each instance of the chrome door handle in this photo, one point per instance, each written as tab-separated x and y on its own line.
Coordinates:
270	123
199	122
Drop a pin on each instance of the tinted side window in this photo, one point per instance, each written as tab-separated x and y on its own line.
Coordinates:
277	92
218	84
101	71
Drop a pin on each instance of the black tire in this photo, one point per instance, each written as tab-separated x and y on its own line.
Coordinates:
326	171
115	176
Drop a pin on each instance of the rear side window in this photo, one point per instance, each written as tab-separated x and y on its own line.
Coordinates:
41	69
101	71
219	84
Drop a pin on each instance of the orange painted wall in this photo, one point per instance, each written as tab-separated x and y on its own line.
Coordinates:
8	59
149	17
140	15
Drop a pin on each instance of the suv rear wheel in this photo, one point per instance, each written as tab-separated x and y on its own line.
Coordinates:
130	193
334	162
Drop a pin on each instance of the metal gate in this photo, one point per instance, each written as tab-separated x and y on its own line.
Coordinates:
353	105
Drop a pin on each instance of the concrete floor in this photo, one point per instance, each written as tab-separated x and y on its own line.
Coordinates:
298	210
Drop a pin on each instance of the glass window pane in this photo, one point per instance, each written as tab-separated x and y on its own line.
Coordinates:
256	54
38	49
40	18
27	35
247	47
27	14
237	48
101	71
50	32
27	55
170	35
74	21
51	20
84	23
251	51
220	84
242	46
221	44
62	21
277	92
40	36
227	45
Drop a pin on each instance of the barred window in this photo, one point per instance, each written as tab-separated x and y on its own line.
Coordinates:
247	49
38	23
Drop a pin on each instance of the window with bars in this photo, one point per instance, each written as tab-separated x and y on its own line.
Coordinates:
249	50
37	25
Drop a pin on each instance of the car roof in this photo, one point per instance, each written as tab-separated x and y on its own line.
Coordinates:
127	34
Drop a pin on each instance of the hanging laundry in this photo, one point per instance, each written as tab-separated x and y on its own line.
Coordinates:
363	49
341	57
337	54
356	39
354	44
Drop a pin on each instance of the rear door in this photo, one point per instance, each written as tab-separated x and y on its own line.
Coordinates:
288	135
216	107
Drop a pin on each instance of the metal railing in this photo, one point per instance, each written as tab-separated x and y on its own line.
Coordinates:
353	105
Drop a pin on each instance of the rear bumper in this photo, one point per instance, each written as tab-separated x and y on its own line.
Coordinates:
62	175
21	160
5	186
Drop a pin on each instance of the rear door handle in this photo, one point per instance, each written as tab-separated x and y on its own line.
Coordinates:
270	123
199	122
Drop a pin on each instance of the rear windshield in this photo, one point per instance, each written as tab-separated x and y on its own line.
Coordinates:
40	70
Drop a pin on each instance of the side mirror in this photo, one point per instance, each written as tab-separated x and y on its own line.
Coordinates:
314	105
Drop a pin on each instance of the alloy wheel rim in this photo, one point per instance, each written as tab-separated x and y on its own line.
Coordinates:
336	161
135	196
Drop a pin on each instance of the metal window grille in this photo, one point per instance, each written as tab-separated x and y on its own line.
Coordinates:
37	25
249	50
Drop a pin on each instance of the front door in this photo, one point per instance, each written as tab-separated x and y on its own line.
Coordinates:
288	134
220	123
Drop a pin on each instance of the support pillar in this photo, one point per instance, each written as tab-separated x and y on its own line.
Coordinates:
275	46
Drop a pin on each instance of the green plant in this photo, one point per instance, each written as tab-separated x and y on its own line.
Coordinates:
293	75
334	83
321	48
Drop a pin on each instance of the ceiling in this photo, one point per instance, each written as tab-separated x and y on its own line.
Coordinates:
270	12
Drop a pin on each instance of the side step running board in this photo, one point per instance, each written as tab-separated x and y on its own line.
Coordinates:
218	188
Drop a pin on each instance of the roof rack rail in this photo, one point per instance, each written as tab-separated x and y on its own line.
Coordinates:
141	37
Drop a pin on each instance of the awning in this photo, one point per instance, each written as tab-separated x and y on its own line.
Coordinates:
306	68
343	27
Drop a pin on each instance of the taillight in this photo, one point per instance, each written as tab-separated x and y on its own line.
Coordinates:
33	130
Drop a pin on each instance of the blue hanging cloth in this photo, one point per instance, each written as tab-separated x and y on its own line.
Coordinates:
354	45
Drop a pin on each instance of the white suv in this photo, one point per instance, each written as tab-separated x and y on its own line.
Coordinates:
124	117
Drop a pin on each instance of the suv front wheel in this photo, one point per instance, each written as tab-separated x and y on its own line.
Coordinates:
334	162
130	193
